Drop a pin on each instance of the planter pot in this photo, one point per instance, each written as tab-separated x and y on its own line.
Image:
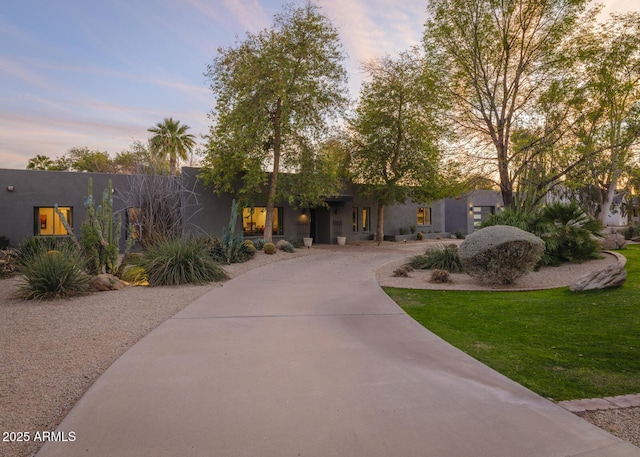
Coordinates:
307	242
342	240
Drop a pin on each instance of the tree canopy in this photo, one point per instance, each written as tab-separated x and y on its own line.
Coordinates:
170	139
498	58
396	133
276	92
606	109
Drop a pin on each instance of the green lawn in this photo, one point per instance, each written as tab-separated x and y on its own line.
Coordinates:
560	344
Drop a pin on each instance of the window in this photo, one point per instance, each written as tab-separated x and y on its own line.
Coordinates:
354	222
424	216
481	214
254	220
48	223
366	219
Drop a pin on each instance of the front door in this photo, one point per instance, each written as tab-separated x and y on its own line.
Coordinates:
321	225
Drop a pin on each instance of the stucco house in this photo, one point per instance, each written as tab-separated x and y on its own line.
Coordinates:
28	197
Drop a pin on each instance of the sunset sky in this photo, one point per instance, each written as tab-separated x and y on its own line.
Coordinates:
100	73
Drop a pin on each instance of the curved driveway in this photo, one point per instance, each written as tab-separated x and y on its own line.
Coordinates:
309	357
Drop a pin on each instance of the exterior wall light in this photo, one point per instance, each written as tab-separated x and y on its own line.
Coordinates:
10	188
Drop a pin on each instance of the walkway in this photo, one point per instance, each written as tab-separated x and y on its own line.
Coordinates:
309	357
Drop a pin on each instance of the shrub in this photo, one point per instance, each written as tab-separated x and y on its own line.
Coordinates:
249	246
631	232
134	274
259	243
440	276
420	236
235	251
30	247
8	262
440	257
403	271
459	235
269	248
53	273
285	246
500	254
181	261
568	232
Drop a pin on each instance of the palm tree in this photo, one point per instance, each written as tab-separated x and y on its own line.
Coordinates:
171	139
40	162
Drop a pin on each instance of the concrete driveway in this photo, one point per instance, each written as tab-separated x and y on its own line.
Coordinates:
309	357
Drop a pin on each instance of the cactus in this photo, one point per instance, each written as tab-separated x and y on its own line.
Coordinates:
67	226
232	243
269	248
101	232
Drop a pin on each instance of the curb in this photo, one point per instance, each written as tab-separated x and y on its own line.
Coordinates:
598	404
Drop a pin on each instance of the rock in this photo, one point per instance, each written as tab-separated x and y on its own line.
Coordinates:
636	239
281	244
106	282
613	241
500	254
612	276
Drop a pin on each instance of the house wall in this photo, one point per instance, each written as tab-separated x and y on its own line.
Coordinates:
459	210
404	217
208	213
32	189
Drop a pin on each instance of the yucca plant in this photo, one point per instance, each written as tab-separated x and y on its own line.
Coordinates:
181	261
440	258
53	273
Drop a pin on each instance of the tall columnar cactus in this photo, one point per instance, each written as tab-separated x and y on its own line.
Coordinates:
230	240
101	232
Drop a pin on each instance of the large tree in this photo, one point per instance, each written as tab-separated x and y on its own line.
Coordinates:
396	131
170	139
275	94
498	57
607	108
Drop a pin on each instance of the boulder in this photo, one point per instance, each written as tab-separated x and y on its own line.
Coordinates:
500	254
636	239
104	282
613	241
281	244
612	276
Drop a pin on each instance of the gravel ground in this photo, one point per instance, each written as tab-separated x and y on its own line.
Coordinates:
623	423
52	351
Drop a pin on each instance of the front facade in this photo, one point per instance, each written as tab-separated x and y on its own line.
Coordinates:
28	199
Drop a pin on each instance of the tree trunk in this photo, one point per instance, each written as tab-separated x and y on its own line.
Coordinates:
380	228
506	189
172	165
273	181
607	200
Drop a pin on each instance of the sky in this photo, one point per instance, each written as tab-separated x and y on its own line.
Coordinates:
99	73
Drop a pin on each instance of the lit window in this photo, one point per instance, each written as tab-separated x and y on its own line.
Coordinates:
48	223
366	219
354	222
254	220
424	216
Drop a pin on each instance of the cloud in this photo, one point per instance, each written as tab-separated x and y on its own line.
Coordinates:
249	13
22	72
